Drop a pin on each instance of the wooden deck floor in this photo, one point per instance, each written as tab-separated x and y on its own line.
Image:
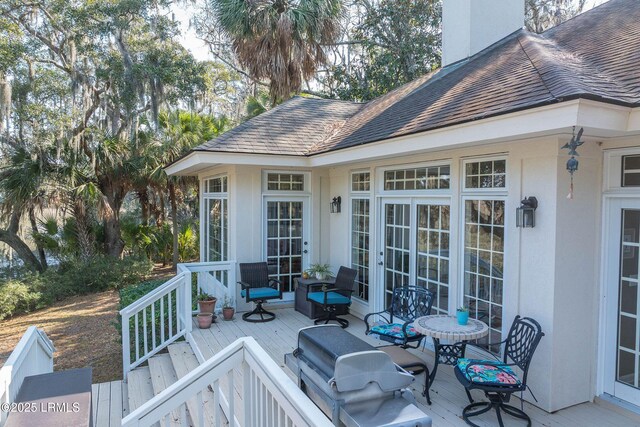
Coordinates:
279	337
109	403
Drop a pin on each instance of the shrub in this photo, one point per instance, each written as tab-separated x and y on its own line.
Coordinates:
133	293
17	297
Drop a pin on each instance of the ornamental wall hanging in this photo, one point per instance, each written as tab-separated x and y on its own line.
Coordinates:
572	163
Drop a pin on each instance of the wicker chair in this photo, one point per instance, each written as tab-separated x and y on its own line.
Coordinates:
496	378
407	304
329	298
257	287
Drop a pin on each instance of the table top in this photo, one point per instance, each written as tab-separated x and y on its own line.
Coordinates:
446	327
313	280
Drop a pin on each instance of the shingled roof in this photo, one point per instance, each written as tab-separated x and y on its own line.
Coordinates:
595	55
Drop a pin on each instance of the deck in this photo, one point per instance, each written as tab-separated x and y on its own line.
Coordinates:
110	400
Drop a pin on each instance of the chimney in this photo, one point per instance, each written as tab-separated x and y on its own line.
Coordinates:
468	26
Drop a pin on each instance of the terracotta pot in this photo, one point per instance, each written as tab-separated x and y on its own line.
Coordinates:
204	320
228	312
207	306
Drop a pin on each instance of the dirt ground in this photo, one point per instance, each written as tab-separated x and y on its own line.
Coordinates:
82	330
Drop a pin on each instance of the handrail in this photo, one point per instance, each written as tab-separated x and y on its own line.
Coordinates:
32	356
266	390
151	296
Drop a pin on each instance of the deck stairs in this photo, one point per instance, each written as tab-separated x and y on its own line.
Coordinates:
161	371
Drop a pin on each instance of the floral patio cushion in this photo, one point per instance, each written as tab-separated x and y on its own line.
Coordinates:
393	330
488	374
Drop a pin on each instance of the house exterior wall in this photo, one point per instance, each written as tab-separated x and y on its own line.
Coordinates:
552	272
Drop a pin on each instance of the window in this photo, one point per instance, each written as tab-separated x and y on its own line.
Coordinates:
484	263
360	208
216	185
360	181
217	221
285	181
426	178
631	171
485	174
433	253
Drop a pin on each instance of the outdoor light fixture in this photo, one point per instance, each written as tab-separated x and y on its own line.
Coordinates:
335	204
526	213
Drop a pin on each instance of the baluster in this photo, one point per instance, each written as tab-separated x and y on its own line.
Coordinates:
153	325
216	401
144	329
170	306
126	345
232	398
183	415
200	409
162	319
137	337
246	393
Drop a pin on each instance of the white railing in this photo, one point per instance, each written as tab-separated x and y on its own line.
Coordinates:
32	356
162	316
214	278
155	321
249	389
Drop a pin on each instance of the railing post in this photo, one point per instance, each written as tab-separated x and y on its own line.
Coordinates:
246	392
126	346
188	307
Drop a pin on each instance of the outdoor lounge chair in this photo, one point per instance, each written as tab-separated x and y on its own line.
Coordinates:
330	296
407	304
257	287
496	378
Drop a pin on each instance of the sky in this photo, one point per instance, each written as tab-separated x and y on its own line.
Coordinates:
199	49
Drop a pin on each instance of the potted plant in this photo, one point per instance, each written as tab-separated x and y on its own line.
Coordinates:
463	315
321	271
206	303
227	308
205	320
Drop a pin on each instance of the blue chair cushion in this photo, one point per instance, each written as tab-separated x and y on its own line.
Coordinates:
488	374
333	298
393	330
259	293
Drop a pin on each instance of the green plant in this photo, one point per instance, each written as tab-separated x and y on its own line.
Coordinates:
227	302
463	309
17	297
319	268
205	297
187	243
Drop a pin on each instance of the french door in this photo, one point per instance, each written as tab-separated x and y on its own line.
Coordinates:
414	248
622	312
286	241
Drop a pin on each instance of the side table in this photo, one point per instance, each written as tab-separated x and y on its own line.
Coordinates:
306	307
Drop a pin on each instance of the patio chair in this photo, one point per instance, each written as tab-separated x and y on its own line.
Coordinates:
407	304
257	287
497	378
330	298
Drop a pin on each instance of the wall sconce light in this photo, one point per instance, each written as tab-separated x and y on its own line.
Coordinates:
335	204
526	213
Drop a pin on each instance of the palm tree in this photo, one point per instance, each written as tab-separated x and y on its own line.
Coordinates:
280	40
180	132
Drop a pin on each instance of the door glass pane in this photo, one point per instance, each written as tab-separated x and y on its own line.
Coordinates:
217	229
483	263
432	257
628	346
396	262
284	242
360	245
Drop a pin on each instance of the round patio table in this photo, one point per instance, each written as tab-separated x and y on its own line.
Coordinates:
442	326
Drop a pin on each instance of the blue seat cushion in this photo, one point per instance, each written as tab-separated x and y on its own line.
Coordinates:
333	298
393	330
488	374
259	293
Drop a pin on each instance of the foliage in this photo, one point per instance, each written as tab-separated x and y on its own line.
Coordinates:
17	297
188	243
279	40
540	15
319	268
205	297
130	294
389	43
33	290
227	302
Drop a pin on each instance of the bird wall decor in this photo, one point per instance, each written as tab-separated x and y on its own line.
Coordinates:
572	163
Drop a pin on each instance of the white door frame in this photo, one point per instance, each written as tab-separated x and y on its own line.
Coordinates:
612	223
306	232
413	201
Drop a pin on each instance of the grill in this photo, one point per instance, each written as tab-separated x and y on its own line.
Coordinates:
352	382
